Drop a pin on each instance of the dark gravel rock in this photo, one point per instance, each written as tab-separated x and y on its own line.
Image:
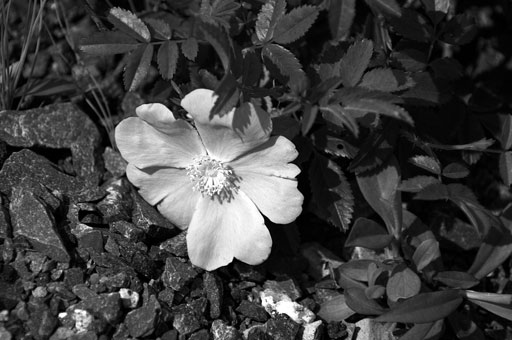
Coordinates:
42	322
188	318
176	245
177	273
132	254
259	333
141	322
26	163
336	330
117	205
150	220
214	293
3	152
73	277
200	335
114	163
55	126
170	335
282	328
252	311
10	295
222	331
287	287
128	230
91	239
105	306
32	219
5	220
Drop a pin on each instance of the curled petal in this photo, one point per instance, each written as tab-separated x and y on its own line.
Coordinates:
167	143
169	188
270	158
277	198
231	135
220	232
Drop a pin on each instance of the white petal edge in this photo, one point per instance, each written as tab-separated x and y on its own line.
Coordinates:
220	232
170	189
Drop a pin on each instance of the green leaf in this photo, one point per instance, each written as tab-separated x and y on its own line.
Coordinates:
46	87
356	269
287	64
357	300
423	308
137	66
416	184
228	93
505	165
331	192
380	189
269	16
456	279
455	171
219	41
335	309
129	23
189	48
375	292
355	61
426	92
308	117
425	331
427	163
414	26
387	7
460	30
410	56
340	117
295	24
167	59
371	105
386	80
505	311
425	253
368	234
160	29
106	43
341	15
402	284
219	12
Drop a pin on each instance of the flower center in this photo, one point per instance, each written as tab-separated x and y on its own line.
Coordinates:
211	177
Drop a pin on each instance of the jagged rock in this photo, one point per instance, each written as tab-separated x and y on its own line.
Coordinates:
114	163
105	306
176	245
26	163
287	287
282	328
132	254
252	311
177	273
222	331
214	293
141	322
55	126
312	331
128	230
117	205
185	320
150	220
201	334
5	220
31	219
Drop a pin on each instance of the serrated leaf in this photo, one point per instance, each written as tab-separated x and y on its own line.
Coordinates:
269	16
106	43
228	95
129	23
356	299
386	80
410	56
426	163
505	165
402	284
460	30
370	104
455	171
308	118
368	234
335	309
287	64
219	12
167	59
137	66
457	279
414	26
386	7
295	24
425	253
219	41
355	61
341	15
426	92
331	191
416	184
423	308
189	48
379	188
160	29
340	117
